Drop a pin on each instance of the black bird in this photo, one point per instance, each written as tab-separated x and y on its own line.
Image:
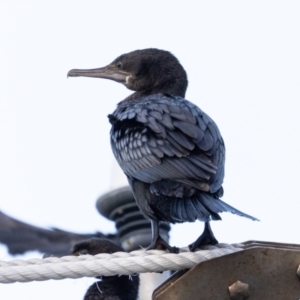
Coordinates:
110	287
171	151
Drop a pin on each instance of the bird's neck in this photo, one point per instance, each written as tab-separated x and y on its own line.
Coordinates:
139	94
172	90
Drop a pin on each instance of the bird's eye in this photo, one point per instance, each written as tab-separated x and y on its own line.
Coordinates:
119	65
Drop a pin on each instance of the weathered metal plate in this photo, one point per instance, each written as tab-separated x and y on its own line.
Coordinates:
283	246
269	271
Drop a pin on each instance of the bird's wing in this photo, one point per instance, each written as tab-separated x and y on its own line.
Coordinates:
164	137
20	237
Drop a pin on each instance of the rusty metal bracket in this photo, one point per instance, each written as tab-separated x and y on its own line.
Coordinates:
263	271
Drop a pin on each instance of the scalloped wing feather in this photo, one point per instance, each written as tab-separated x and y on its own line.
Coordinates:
159	137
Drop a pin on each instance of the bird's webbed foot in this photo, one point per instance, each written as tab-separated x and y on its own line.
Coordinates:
206	238
158	243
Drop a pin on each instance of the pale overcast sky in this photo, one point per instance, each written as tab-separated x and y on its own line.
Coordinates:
243	63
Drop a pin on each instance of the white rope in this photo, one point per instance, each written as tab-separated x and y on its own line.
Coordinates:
119	263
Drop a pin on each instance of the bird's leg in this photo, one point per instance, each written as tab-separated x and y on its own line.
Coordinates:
157	241
206	238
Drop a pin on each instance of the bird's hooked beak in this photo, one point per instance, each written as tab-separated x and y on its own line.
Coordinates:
108	72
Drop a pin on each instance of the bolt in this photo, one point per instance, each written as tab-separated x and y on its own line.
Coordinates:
239	291
298	272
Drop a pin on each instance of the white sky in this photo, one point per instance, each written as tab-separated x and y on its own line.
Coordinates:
243	63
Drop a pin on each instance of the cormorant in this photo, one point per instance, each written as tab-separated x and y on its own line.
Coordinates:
171	151
110	287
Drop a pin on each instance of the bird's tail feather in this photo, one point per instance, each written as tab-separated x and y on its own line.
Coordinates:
204	207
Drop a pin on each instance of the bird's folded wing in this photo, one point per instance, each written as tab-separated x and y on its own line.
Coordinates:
166	138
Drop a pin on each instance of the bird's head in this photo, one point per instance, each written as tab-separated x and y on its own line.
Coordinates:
147	71
95	246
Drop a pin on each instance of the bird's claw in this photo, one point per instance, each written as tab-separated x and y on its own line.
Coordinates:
161	244
204	239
